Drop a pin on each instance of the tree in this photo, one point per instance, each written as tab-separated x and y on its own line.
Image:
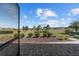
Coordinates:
37	30
75	25
34	27
25	28
46	32
68	31
47	27
37	33
38	27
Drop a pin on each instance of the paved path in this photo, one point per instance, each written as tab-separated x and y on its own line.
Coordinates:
73	39
27	47
48	41
44	48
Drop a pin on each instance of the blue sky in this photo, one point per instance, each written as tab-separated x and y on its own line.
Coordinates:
54	14
8	16
34	14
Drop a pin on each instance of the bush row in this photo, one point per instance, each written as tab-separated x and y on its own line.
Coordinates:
38	34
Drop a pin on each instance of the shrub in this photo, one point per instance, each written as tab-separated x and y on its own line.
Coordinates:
68	31
60	37
54	36
22	35
44	33
36	33
65	38
49	34
16	36
30	35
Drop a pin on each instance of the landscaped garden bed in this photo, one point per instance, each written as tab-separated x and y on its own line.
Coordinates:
48	34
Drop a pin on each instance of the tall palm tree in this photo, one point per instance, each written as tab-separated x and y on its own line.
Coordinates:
75	25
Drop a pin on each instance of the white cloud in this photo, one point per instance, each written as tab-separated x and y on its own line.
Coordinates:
75	11
27	21
69	14
39	12
53	23
69	19
43	18
25	16
49	13
63	22
44	13
63	19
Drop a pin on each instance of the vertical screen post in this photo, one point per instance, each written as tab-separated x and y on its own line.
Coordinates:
9	29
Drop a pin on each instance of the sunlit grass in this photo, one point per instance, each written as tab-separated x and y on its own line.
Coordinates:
7	37
59	33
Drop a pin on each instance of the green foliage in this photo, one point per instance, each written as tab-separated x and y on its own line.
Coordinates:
6	32
68	31
75	25
30	35
25	28
44	33
34	27
60	37
46	27
49	34
38	27
37	33
22	35
16	35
